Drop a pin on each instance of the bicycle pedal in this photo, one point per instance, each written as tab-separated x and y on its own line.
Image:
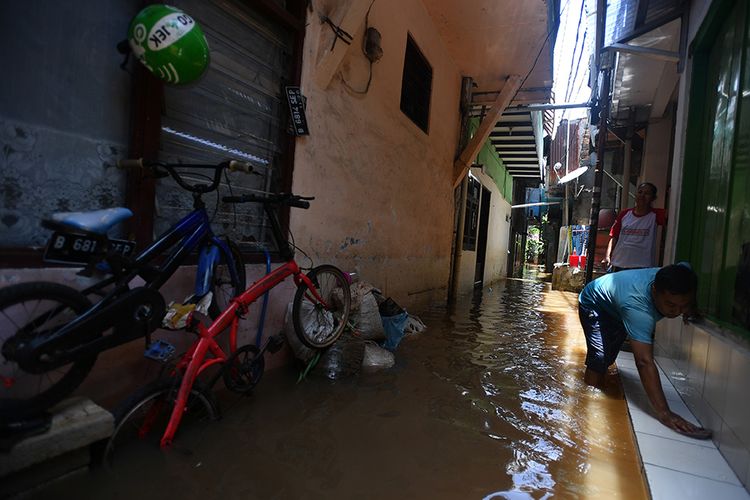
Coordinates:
275	342
159	351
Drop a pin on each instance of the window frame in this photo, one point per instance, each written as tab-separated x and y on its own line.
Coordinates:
407	102
692	220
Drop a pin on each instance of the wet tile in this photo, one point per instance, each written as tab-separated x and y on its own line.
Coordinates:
665	363
667	484
631	381
686	457
702	411
717	373
712	420
646	424
667	337
684	343
736	411
696	372
735	452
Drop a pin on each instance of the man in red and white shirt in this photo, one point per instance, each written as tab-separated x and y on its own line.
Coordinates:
633	235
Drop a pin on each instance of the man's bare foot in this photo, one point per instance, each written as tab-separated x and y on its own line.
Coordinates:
594	379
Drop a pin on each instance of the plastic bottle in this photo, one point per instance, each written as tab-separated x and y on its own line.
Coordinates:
582	261
573	259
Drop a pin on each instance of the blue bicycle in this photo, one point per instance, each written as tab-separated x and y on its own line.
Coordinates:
51	334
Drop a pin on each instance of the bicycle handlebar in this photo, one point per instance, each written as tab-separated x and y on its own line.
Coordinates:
291	200
231	165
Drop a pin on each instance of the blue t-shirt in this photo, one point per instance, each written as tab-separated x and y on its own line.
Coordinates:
625	295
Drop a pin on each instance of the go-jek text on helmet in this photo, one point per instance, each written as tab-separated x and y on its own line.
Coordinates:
169	43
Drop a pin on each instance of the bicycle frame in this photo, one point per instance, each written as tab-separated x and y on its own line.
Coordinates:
191	231
193	363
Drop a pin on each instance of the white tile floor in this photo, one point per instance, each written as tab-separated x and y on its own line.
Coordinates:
677	467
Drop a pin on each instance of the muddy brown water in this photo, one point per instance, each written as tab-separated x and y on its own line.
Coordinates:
488	403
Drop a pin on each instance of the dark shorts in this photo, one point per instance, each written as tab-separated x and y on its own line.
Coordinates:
604	337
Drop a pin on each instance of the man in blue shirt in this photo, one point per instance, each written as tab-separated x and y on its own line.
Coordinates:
628	304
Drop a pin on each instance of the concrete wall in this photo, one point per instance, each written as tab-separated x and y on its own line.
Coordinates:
656	150
496	259
384	189
710	366
655	168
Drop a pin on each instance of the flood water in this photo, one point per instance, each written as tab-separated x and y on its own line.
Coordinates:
489	402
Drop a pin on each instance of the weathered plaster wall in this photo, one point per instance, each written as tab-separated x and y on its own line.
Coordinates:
384	191
496	260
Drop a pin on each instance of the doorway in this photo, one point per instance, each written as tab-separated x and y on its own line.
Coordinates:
484	222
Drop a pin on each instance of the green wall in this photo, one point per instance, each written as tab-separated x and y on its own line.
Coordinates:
494	166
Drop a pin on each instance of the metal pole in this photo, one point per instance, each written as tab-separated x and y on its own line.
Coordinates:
627	158
569	240
596	197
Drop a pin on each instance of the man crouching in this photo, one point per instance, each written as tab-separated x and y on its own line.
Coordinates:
628	304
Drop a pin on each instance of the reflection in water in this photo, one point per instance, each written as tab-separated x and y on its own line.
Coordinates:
500	342
487	403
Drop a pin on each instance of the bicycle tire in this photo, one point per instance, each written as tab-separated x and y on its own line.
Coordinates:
223	287
20	304
152	405
316	325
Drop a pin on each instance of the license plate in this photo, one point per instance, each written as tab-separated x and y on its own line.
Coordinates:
80	249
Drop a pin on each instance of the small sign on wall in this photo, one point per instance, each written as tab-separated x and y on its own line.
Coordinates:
297	110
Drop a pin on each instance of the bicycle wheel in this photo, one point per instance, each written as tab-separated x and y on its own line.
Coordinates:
141	419
224	288
28	310
244	369
317	324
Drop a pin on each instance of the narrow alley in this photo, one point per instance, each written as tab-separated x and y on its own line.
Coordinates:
213	199
489	402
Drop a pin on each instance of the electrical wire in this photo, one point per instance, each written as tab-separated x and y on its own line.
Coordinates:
364	51
538	55
569	89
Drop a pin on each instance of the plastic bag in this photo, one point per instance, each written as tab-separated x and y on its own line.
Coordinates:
414	325
366	319
389	307
359	291
394	329
300	350
376	357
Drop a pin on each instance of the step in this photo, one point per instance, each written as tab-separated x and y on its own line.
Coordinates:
76	424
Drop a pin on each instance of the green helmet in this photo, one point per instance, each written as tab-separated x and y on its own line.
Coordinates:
169	43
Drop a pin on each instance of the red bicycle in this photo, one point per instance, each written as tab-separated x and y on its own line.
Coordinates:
320	312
